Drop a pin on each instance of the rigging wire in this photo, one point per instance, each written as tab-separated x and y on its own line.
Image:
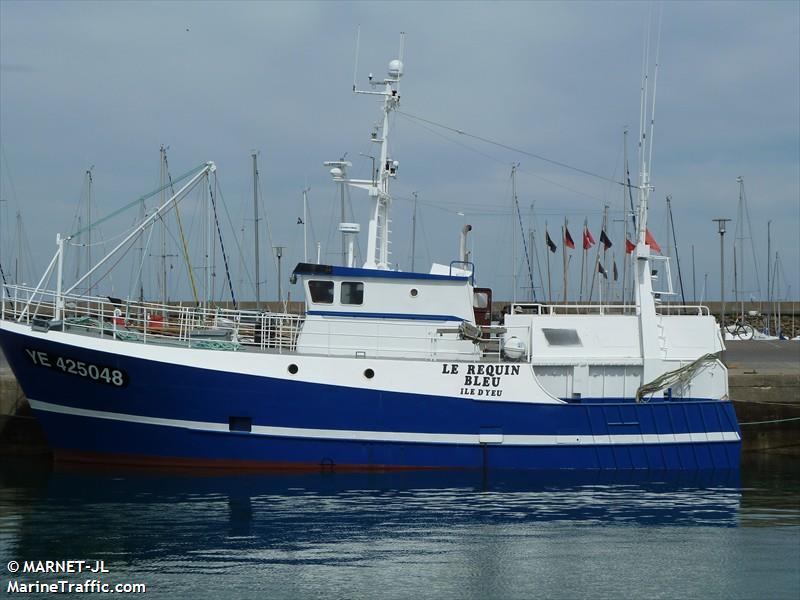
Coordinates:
505	163
512	148
137	201
230	224
524	240
184	244
221	243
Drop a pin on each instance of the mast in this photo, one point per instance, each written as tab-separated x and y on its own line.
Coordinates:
675	245
513	234
530	243
89	226
583	259
163	183
597	255
255	228
564	257
378	232
139	283
769	266
305	225
414	232
649	340
740	242
549	282
18	261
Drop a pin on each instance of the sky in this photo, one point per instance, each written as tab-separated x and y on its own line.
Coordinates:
102	85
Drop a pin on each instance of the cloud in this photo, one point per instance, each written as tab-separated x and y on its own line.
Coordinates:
110	85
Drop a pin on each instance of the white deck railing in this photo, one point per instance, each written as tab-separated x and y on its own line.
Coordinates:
605	309
148	322
222	328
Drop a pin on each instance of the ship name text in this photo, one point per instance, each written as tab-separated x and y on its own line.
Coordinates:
480	380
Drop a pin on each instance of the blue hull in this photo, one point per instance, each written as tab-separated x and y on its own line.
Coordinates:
174	414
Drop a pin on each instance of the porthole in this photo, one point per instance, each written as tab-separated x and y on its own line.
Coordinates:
293	369
369	373
414	292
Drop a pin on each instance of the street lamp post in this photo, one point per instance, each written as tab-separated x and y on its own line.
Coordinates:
721	226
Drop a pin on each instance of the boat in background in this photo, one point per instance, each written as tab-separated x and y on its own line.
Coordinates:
385	370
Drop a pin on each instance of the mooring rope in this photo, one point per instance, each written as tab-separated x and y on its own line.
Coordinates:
772	421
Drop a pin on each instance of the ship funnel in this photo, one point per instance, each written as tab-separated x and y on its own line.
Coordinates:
462	250
350	230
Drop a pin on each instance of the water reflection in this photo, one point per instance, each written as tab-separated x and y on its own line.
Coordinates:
97	514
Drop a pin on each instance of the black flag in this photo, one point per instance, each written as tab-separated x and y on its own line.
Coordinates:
602	271
550	243
616	273
604	240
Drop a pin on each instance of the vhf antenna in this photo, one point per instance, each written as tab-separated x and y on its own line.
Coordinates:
355	67
400	57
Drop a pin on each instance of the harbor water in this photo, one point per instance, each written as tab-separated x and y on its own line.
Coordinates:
412	534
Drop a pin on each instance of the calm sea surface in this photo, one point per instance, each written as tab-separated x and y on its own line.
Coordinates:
420	535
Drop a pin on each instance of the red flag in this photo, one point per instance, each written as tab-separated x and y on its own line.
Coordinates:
568	239
629	246
588	240
651	241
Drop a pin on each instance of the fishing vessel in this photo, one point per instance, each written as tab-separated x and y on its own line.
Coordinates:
384	370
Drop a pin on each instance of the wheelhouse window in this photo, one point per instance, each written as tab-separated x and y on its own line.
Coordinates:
321	292
352	292
561	337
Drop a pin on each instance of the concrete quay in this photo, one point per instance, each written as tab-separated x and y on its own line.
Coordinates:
764	383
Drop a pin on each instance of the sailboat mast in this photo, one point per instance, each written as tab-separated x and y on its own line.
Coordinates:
255	229
530	244
549	281
740	242
18	261
89	225
305	225
162	180
513	233
675	245
139	284
414	232
564	256
769	266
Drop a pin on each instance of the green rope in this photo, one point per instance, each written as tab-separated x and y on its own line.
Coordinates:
215	345
81	321
128	336
670	377
138	200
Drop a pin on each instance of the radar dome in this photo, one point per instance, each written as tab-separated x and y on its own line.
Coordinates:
396	69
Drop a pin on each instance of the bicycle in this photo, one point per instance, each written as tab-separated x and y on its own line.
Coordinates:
740	329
